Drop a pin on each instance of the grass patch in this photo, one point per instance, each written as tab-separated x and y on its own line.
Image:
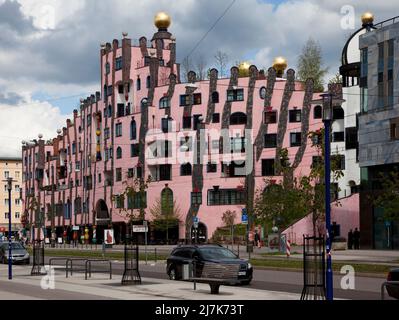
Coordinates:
97	254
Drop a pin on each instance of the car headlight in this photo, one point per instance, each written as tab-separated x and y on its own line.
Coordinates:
249	266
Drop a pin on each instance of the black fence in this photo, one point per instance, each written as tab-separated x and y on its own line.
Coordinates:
314	275
38	268
131	274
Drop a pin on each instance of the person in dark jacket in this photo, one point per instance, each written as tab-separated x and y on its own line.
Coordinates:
356	239
350	239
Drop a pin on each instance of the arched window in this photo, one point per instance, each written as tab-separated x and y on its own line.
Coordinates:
167	201
164	103
338	113
133	130
144	104
262	93
317	112
186	169
215	97
119	153
238	118
138	84
148	82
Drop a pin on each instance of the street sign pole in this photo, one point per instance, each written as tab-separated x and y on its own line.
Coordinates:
145	239
9	185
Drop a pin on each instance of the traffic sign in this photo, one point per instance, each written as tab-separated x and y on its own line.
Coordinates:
196	219
244	219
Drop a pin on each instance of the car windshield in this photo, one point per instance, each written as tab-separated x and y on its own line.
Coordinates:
14	246
217	253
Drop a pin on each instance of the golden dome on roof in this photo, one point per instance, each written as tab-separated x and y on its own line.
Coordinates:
162	20
280	64
367	18
243	69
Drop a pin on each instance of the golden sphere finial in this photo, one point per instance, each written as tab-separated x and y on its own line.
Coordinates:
367	18
243	69
280	64
162	20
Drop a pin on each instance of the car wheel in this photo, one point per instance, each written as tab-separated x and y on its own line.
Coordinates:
172	273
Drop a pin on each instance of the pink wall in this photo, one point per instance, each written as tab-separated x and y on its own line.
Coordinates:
346	215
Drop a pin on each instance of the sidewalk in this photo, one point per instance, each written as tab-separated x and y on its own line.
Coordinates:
23	286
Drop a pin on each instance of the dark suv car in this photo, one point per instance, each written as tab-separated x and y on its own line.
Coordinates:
201	254
393	289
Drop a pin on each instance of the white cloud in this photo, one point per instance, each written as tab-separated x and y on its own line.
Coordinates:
25	122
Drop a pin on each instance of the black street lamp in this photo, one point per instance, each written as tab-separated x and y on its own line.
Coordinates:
9	188
328	100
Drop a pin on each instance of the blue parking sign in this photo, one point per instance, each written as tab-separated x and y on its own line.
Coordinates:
196	219
244	219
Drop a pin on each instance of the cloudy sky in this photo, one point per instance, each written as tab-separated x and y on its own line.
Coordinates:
49	49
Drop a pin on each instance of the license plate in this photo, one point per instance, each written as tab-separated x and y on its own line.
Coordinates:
242	273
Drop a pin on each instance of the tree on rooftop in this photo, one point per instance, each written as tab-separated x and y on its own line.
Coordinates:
310	64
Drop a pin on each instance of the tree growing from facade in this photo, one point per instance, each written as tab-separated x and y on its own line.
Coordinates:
310	64
166	215
388	199
221	59
135	190
228	219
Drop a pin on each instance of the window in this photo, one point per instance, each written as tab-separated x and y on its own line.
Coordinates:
338	136
338	113
166	125
167	200
164	103
118	129
262	93
270	117
211	167
73	147
120	109
17	174
17	215
185	100
109	91
196	198
119	153
268	167
118	174
270	140
295	139
186	122
120	89
137	200
148	82
138	84
165	172
133	130
197	98
216	118
238	118
197	119
17	202
339	161
6	174
118	199
89	120
351	141
237	144
215	97
235	95
317	112
186	170
106	133
109	111
107	68
219	197
17	188
118	63
134	150
99	178
78	205
295	115
394	132
186	142
130	173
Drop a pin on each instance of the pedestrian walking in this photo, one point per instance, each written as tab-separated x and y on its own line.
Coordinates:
350	239
356	239
257	239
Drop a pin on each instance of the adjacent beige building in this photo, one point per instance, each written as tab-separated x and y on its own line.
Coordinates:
10	167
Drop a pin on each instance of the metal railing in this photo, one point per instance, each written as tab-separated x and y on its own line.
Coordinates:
90	271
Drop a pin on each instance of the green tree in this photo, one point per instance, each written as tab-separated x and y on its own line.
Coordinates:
228	219
165	216
388	199
135	191
336	79
310	64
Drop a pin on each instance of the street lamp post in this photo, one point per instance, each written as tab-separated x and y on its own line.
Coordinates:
9	187
327	119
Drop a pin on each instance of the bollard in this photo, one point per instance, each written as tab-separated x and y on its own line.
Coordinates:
288	250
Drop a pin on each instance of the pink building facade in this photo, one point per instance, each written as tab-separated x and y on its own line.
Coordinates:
196	140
